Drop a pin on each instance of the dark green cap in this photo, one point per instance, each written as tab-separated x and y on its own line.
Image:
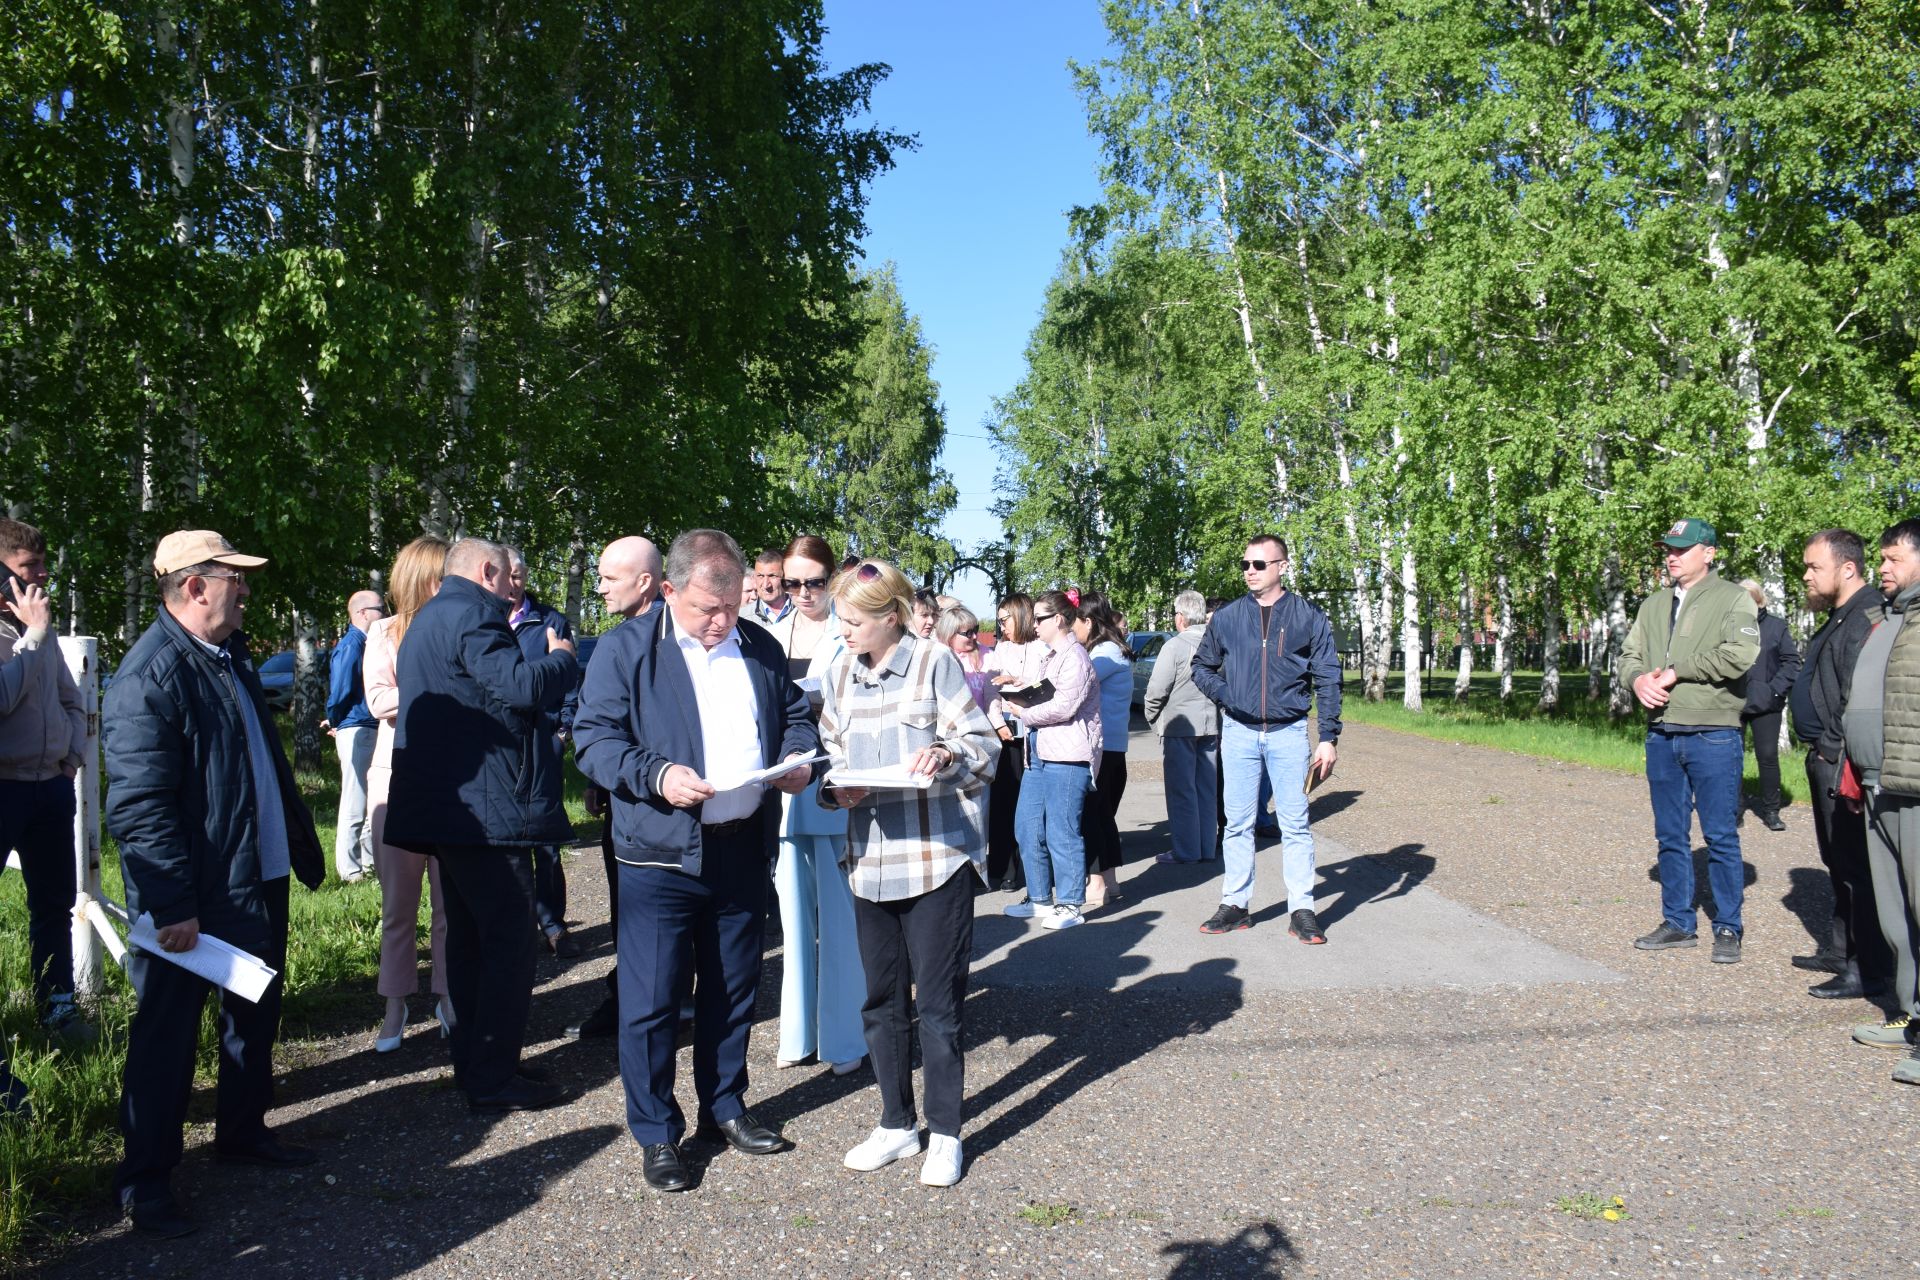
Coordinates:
1690	533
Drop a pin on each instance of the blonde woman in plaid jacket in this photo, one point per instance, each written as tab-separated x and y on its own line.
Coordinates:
914	857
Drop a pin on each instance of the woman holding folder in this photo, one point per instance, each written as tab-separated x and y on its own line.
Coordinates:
897	716
821	982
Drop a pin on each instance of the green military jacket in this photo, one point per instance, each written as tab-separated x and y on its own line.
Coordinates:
1711	646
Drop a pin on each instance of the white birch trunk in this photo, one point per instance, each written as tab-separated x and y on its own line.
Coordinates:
1383	659
1463	678
1621	702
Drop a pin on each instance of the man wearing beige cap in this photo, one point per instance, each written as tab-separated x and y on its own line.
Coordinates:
203	806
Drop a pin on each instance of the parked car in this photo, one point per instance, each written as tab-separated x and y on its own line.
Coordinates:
1146	647
276	680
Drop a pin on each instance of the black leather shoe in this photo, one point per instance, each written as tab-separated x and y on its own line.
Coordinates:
664	1169
746	1135
1846	986
527	1071
1820	962
603	1021
160	1218
1772	821
561	943
520	1095
267	1150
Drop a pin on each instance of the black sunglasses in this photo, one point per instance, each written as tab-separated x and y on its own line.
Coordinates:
811	584
1042	617
970	631
1257	564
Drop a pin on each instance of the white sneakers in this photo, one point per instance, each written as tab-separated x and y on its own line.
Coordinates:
941	1168
1057	916
882	1148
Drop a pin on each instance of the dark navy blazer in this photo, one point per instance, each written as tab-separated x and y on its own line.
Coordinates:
638	716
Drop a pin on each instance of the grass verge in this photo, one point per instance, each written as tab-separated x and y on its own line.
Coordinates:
1579	731
58	1162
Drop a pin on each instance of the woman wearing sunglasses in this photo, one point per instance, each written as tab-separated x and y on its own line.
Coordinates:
914	857
821	983
1063	751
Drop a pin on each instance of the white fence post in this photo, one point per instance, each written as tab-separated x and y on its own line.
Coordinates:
83	660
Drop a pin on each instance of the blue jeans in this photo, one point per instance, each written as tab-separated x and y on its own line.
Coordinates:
1047	824
822	985
1688	773
1279	755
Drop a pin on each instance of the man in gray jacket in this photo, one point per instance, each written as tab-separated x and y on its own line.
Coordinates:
1188	723
42	731
1882	728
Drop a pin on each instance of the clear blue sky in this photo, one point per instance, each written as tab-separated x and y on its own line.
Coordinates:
976	218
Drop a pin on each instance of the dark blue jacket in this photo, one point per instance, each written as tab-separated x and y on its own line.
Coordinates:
638	716
466	769
346	690
531	633
1774	671
180	798
1275	680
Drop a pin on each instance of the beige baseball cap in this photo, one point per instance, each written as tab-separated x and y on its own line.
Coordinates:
187	547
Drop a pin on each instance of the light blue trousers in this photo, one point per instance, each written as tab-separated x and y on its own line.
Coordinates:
1282	755
822	984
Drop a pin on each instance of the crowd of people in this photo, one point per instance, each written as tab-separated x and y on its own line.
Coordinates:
816	727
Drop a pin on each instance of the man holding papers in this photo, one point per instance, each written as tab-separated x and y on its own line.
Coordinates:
913	756
679	709
209	824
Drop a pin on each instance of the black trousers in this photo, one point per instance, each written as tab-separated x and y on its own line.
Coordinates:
1765	734
488	892
549	888
915	952
613	902
1099	822
1842	837
162	1043
1003	797
36	820
718	919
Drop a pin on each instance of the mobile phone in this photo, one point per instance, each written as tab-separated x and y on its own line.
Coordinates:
12	586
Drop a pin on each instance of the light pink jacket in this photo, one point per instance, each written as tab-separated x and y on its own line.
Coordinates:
1067	725
383	695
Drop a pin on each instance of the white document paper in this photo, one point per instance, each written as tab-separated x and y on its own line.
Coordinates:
220	963
765	775
811	684
896	778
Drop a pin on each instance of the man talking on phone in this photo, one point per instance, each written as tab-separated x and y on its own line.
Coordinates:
42	732
1267	659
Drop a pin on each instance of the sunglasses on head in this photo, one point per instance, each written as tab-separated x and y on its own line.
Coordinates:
811	584
1257	564
867	572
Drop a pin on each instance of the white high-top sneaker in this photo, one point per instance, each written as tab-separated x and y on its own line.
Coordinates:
941	1168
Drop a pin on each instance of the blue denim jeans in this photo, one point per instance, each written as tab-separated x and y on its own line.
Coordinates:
1689	773
1047	824
1280	755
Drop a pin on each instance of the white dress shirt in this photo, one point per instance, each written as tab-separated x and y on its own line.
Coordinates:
729	723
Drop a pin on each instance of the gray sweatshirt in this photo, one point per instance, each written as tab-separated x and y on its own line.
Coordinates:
41	725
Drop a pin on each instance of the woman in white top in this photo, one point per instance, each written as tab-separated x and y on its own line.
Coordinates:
416	576
1017	658
822	985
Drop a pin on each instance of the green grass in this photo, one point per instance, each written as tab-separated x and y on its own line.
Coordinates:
62	1158
1579	731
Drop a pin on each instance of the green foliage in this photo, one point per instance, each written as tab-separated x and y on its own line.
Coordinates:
861	466
1496	293
323	276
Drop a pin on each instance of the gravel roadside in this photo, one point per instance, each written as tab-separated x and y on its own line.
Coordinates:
1166	1128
